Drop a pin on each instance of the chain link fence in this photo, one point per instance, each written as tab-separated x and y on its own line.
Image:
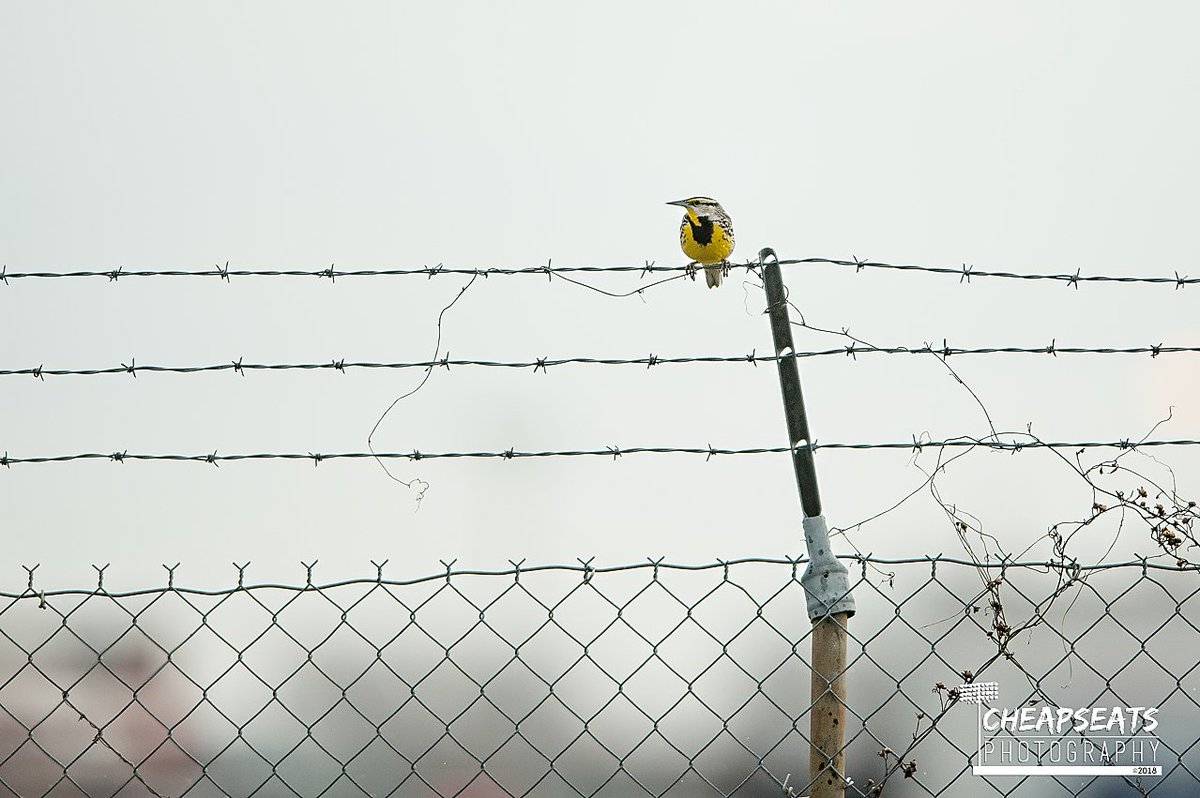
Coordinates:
649	679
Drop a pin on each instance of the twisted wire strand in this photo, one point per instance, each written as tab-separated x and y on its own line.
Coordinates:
964	272
915	445
583	567
536	364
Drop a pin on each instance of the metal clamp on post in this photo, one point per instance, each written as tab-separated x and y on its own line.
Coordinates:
826	580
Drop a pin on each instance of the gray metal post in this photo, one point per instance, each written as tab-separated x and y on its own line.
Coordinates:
826	579
789	381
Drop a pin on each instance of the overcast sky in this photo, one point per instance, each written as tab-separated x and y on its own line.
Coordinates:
1020	136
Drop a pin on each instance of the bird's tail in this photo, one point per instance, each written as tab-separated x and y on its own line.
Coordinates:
712	275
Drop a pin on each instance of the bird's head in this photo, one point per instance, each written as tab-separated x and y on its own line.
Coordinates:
700	207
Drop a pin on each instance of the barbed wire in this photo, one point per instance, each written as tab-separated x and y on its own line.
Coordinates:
965	272
915	445
1167	516
584	568
542	363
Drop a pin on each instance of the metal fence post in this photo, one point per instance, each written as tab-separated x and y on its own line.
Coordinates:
826	580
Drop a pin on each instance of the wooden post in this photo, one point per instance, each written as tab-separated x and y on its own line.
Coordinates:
827	719
827	724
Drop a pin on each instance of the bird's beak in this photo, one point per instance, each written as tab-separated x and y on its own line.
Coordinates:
680	203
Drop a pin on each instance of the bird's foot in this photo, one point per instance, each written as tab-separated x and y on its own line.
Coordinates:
725	267
690	270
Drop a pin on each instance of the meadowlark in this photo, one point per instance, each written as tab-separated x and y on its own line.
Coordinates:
706	236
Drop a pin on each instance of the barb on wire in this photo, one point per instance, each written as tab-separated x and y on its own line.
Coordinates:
852	350
964	272
964	442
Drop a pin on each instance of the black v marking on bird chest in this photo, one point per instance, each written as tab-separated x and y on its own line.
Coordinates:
702	232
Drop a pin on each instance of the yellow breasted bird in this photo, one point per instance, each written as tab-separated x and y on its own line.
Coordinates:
706	236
